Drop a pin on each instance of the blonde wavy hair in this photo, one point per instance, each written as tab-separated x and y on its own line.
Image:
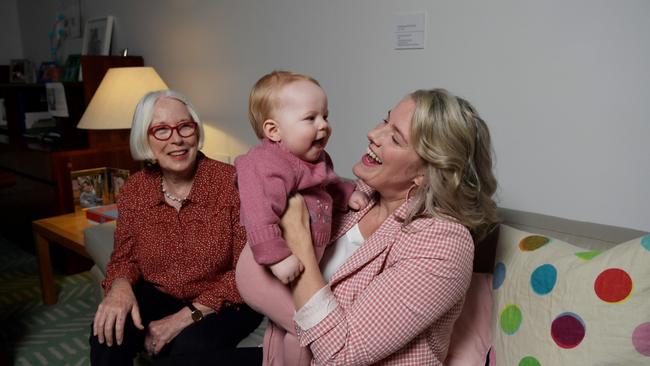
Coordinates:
454	142
263	98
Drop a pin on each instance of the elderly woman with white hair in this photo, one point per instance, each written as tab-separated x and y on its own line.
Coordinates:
170	284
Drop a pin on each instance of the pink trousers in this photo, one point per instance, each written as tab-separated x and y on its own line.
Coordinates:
263	292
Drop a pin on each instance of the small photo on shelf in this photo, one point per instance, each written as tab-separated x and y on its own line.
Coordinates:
49	72
71	68
22	71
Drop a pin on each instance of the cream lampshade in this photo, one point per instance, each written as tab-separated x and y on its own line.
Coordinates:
118	94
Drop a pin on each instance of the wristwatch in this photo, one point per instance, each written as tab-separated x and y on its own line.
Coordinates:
197	315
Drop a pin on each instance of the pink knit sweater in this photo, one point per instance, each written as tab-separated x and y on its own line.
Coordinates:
267	176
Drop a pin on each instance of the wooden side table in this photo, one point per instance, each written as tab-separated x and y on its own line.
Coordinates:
65	230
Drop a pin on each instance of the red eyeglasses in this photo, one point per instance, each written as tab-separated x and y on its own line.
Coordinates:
164	132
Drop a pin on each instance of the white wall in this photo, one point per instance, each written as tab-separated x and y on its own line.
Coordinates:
10	42
564	85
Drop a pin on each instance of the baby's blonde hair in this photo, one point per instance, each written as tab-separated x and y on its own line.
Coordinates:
263	98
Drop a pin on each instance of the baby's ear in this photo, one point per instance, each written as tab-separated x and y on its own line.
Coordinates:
272	130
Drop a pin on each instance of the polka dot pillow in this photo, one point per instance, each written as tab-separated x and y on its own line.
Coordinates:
558	304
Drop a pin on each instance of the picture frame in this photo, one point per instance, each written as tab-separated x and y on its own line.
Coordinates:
71	68
89	187
97	36
49	72
116	179
97	186
72	18
21	71
57	103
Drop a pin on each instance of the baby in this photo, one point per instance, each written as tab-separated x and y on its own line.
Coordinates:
288	112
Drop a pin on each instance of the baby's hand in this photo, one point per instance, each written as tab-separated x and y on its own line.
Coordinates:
287	269
358	200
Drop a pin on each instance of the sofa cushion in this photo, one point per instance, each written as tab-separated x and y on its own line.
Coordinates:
99	243
472	335
558	304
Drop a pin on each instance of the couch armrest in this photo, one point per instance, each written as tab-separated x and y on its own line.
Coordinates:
99	243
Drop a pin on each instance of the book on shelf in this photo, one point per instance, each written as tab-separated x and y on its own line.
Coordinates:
102	214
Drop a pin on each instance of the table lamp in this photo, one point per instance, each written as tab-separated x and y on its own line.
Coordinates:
113	104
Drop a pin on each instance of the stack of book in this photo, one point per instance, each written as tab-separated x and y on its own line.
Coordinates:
102	214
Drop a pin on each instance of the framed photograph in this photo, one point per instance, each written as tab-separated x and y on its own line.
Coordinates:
117	178
21	71
89	187
49	72
97	36
57	104
71	15
71	68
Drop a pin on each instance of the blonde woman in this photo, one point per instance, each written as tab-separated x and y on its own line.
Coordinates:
395	279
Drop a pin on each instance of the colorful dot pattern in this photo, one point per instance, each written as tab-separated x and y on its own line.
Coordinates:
568	329
645	242
499	275
510	319
529	361
533	242
613	285
588	255
641	339
543	279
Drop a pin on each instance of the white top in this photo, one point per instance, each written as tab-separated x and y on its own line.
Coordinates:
323	302
338	252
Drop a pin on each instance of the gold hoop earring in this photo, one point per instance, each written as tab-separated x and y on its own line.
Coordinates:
408	193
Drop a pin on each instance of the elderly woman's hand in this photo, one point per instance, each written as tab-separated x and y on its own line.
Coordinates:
295	229
113	310
162	331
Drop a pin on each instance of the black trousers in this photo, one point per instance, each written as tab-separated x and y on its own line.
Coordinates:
211	340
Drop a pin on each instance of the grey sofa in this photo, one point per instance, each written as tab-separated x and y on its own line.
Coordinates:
99	243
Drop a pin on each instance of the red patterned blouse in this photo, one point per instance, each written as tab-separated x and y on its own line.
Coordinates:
190	254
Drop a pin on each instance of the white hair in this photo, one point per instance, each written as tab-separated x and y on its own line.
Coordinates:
139	140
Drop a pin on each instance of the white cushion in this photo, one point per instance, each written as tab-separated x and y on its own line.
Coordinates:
558	304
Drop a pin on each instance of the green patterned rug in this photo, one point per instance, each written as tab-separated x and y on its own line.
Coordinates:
32	333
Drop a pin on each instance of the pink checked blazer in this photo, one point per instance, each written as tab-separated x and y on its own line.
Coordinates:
398	295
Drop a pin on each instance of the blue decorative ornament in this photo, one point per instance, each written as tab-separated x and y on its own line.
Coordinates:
57	35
